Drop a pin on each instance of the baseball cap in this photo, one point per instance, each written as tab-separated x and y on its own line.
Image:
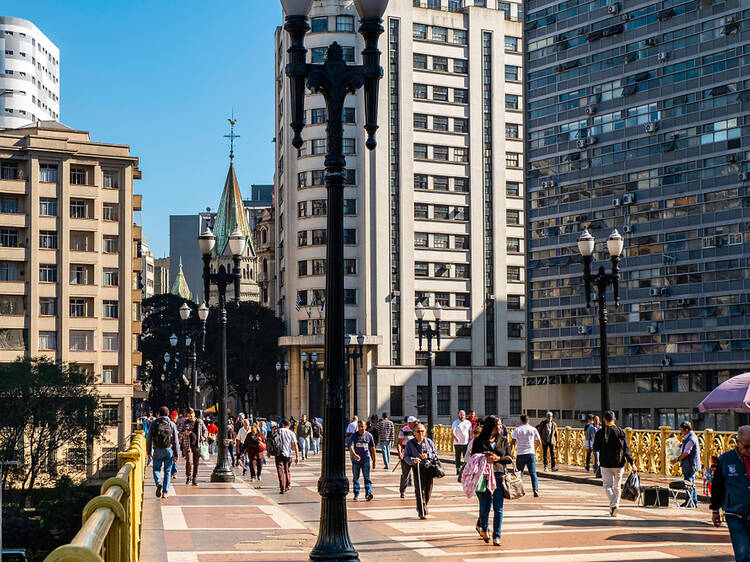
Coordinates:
549	413
411	419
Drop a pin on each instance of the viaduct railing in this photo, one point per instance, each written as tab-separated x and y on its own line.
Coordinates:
111	530
649	447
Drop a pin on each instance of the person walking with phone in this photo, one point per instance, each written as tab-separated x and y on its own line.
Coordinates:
163	446
492	444
194	433
420	454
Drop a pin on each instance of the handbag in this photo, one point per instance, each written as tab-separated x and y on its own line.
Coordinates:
437	469
482	484
204	450
513	484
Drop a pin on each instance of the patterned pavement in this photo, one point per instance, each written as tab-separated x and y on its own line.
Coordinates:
569	522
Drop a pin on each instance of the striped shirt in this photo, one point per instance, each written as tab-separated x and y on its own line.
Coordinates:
385	430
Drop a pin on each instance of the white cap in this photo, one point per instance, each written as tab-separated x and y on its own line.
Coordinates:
549	413
411	419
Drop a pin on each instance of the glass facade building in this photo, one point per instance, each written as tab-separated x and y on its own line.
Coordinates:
638	119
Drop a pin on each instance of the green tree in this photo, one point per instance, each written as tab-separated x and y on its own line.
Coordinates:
47	407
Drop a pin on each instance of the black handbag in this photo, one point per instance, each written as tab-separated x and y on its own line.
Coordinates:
436	468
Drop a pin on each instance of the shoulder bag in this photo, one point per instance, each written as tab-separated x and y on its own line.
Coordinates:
512	483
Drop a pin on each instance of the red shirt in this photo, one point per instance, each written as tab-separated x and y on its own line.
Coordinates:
474	422
212	428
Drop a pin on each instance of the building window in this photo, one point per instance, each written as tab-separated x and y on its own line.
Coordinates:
81	340
504	7
78	275
514	302
110	341
318	177
461	242
442	270
490	400
318	54
463	300
110	277
511	131
78	176
420	61
461	185
420	151
302	268
512	159
460	37
350	267
318	116
439	33
77	308
420	121
440	183
8	238
420	240
48	239
460	66
110	244
344	23
47	273
440	93
461	155
439	123
514	395
302	238
441	212
440	153
350	177
349	115
111	179
47	306
440	63
319	207
421	394
348	54
512	216
462	270
110	414
511	43
47	340
301	209
515	359
463	359
75	459
111	309
350	236
464	398
511	101
514	273
302	327
515	330
513	245
77	209
109	212
318	146
460	95
319	24
350	297
349	147
421	269
420	91
9	205
460	125
512	189
440	241
511	72
318	267
397	401
420	181
419	31
301	180
48	173
444	299
350	326
444	398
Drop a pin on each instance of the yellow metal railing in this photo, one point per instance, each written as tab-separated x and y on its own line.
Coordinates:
111	529
648	446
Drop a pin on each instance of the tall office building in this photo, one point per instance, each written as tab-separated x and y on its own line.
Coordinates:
433	215
70	265
161	276
29	74
147	275
637	117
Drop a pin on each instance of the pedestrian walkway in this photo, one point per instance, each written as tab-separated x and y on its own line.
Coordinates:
569	523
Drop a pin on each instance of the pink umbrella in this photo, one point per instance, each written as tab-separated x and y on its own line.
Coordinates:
732	394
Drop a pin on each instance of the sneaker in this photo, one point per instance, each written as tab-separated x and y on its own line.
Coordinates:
536	493
356	498
252	479
187	481
496	541
195	483
554	469
545	468
613	512
369	497
281	491
164	496
403	495
158	490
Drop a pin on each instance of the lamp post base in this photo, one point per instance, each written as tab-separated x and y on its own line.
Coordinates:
223	470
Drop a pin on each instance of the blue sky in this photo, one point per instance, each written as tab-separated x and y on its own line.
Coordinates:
163	76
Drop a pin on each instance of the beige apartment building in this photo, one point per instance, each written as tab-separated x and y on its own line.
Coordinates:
70	265
434	215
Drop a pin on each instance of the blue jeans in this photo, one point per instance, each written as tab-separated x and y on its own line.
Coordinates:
495	501
364	467
385	449
304	446
163	457
739	532
315	442
690	477
530	462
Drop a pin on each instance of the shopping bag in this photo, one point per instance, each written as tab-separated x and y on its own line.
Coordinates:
513	484
632	489
482	484
204	450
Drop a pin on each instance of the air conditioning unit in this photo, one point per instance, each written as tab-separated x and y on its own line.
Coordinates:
744	176
613	9
666	362
652	329
681	302
583	330
650	41
627	228
548	183
590	110
616	202
653	291
663	56
628	199
652	127
581	143
664	291
591	140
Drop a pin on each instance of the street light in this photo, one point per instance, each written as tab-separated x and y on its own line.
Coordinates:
335	79
353	354
601	280
191	345
428	333
222	278
283	375
254	382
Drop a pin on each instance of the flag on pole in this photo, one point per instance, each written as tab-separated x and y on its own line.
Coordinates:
322	306
298	304
312	301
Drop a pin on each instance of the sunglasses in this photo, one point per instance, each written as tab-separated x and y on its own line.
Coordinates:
419	431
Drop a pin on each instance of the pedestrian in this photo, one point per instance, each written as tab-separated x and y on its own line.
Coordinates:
351	428
372	427
525	440
362	448
317	435
590	434
304	433
239	422
492	443
193	432
385	435
292	424
255	447
421	455
404	436
548	433
163	447
690	460
472	417
612	444
284	459
461	429
240	442
230	438
730	491
213	431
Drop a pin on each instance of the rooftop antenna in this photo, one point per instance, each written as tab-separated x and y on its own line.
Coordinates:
231	136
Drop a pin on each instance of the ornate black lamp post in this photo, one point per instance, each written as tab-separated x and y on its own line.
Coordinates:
283	376
222	279
334	79
428	333
600	280
353	355
191	344
254	382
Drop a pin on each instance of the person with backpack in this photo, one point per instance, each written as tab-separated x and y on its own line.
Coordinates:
317	435
193	432
282	445
304	433
163	447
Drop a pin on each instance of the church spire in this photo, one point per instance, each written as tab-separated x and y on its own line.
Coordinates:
180	286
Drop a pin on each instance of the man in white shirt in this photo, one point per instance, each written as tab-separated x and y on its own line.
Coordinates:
284	460
351	428
525	439
461	429
240	440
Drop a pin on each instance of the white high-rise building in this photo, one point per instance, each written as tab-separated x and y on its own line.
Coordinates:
434	215
29	75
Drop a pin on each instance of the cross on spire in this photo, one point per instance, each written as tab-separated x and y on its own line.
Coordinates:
231	136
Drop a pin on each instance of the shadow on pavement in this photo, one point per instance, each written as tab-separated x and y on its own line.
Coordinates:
672	537
636	524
